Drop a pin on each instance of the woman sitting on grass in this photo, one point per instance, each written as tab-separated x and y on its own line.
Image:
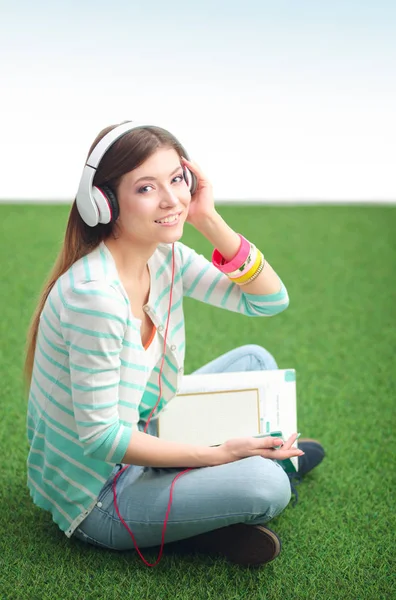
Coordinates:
106	352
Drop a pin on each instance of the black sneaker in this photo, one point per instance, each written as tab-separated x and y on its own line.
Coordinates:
313	455
241	544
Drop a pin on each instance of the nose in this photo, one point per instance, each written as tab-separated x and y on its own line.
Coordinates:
169	198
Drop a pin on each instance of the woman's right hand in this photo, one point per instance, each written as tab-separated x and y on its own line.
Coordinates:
243	447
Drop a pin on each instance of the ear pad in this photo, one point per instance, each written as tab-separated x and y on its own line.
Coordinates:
190	179
107	204
113	202
187	177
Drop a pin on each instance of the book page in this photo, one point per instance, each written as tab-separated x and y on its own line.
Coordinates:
211	418
212	408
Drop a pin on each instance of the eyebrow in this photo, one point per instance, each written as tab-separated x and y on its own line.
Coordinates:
154	178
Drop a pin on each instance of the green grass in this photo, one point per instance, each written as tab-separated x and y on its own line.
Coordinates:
338	263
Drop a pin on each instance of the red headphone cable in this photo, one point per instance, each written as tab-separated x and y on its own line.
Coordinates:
145	429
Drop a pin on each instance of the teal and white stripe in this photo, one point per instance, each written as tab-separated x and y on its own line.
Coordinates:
91	383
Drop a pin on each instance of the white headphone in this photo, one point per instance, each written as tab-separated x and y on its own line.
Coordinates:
100	205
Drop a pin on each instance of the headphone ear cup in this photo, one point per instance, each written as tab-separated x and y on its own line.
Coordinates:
113	202
187	176
107	204
190	179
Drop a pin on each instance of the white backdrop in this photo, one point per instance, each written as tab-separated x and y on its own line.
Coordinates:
278	101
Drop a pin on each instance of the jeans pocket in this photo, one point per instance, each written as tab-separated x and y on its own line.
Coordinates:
107	487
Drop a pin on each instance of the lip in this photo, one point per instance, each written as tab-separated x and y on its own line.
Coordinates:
170	215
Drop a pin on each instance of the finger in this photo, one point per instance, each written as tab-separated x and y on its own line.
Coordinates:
277	442
288	452
187	162
269	442
282	454
191	164
290	441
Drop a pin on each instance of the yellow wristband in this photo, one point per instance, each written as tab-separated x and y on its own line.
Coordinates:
256	274
252	270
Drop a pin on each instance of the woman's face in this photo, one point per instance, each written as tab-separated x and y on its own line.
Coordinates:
154	191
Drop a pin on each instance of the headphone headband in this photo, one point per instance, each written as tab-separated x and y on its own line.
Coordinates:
93	204
108	140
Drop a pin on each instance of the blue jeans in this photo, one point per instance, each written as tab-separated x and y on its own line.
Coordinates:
252	490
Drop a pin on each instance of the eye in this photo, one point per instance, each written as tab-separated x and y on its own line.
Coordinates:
179	177
142	190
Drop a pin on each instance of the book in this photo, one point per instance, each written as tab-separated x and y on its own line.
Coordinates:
212	408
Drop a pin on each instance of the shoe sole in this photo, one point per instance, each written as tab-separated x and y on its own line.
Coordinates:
245	545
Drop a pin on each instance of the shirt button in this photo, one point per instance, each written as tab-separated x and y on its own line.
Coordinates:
99	504
181	370
146	308
160	328
173	347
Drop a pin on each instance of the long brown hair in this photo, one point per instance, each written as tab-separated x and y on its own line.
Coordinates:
127	153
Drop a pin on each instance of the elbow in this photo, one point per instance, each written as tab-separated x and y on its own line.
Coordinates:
281	303
98	445
267	305
109	445
281	307
271	310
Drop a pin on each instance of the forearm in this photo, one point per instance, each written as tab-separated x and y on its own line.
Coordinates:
227	242
150	451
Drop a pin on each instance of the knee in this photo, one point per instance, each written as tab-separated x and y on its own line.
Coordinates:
261	359
269	487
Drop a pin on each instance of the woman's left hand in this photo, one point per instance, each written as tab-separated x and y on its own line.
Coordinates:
202	202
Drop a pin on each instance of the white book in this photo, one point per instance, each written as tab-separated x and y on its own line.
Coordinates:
212	408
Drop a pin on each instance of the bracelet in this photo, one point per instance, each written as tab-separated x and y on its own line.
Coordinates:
239	259
247	265
257	273
251	271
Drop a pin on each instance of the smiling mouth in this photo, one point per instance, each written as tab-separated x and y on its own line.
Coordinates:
169	220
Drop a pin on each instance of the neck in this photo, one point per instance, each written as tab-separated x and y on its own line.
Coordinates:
130	258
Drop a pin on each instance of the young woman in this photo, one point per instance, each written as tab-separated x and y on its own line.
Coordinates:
105	355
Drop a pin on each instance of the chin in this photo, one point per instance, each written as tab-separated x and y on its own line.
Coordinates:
172	237
169	235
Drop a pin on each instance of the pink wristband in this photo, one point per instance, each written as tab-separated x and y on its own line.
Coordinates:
249	262
227	267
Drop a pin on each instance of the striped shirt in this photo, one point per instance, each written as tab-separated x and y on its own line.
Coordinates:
90	382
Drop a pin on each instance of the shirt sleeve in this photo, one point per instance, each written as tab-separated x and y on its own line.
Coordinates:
204	282
93	319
